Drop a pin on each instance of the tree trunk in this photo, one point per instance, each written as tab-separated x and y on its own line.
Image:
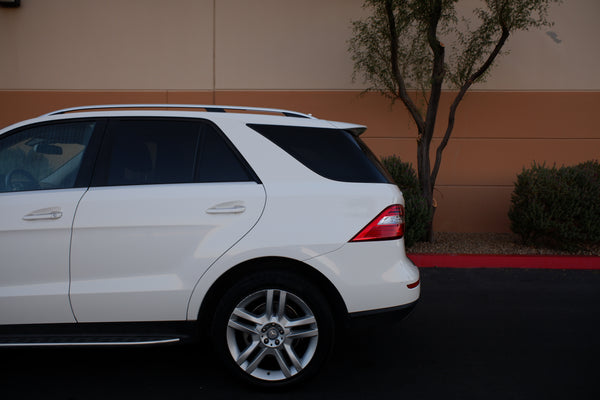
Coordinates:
424	172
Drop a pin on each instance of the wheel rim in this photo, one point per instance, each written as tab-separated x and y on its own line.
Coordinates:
272	335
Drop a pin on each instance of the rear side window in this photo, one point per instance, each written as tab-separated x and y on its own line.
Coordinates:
332	153
165	151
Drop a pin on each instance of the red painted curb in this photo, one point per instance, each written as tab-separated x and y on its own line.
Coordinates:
505	261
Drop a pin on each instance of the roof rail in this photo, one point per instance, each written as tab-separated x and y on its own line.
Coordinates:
207	108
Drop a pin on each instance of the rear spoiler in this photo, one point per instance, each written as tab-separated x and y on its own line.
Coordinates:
354	129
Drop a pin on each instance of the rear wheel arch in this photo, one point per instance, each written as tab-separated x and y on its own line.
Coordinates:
266	264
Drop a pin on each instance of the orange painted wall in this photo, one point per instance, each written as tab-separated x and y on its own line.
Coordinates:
496	135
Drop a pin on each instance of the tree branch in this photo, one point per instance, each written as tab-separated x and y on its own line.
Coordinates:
437	73
437	79
461	94
397	75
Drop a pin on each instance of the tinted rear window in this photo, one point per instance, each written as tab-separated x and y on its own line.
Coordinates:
332	153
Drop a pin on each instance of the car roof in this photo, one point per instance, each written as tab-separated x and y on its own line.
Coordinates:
215	113
212	112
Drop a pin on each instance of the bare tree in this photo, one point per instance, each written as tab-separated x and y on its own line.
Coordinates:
400	51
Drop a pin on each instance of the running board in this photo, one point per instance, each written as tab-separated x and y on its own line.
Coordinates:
45	341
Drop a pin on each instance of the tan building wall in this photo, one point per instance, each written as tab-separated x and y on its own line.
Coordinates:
540	103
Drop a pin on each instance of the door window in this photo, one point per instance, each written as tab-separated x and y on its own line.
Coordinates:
165	151
43	156
219	162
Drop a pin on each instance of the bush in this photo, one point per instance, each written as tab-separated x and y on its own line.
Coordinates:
557	207
418	214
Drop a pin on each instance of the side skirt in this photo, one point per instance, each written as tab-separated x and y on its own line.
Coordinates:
98	334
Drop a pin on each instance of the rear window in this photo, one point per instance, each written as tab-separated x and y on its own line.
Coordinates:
332	153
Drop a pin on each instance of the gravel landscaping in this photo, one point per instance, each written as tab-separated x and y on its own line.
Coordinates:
488	243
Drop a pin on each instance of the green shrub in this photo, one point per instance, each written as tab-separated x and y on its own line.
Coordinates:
557	207
418	214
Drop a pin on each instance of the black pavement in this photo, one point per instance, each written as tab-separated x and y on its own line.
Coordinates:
476	334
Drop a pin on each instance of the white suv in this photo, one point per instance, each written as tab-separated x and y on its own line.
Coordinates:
260	230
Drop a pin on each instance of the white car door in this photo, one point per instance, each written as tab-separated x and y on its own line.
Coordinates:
170	198
39	168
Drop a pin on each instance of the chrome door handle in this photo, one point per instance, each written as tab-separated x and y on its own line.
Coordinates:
44	214
226	210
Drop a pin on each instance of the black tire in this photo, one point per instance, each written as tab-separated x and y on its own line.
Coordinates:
277	345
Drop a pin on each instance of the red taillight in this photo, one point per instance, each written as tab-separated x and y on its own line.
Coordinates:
388	225
414	284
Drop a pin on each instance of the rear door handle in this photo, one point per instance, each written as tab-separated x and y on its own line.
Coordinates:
235	209
44	214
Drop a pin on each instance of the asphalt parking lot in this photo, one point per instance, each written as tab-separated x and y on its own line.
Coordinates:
476	334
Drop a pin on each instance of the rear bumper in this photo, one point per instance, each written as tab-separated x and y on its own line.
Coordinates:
371	276
397	313
383	315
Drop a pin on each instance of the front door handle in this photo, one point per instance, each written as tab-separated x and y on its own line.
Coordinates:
44	214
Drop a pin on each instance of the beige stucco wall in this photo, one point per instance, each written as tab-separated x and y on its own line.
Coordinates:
284	44
108	44
241	44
